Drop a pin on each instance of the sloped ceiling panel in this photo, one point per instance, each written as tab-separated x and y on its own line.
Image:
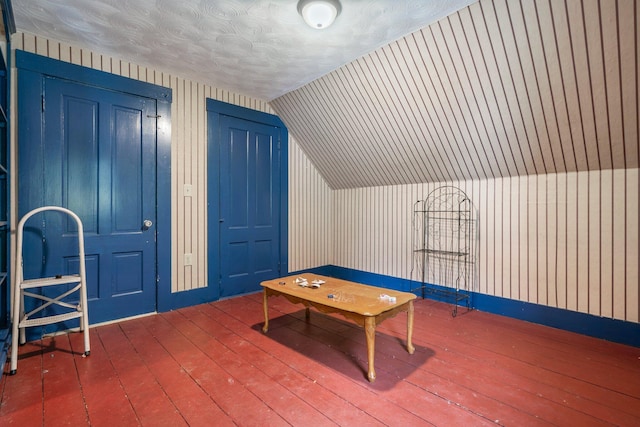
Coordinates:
501	88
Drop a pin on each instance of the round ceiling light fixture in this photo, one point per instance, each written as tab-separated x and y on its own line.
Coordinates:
319	14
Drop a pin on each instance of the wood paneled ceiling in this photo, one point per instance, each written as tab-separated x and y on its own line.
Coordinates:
500	88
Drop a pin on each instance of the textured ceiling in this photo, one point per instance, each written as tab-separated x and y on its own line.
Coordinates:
259	48
500	88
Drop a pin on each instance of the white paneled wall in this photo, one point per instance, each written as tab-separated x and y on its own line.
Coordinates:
188	147
567	240
500	88
563	240
311	213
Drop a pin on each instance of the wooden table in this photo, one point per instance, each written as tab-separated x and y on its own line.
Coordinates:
361	303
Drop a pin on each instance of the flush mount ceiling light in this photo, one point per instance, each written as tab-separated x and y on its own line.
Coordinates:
319	14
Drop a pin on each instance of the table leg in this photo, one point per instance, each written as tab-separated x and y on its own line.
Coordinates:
307	314
370	330
265	328
410	347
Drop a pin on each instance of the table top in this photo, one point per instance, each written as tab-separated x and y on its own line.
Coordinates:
340	294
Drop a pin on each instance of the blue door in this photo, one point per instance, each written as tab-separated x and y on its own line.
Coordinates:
98	158
250	214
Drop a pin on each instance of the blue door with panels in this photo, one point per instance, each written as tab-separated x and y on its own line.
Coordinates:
250	204
97	157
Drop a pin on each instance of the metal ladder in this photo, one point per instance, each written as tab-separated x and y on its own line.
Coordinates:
26	288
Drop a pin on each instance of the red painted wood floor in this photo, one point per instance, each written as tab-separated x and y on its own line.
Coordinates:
211	365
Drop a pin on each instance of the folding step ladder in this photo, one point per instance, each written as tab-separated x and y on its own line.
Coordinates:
25	288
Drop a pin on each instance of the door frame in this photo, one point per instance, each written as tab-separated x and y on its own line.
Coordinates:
32	69
215	109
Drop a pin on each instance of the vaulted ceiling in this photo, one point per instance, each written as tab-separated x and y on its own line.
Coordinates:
500	88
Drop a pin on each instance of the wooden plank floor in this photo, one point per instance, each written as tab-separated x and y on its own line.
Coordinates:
212	365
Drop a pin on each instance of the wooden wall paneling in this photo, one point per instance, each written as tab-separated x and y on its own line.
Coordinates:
322	120
575	264
613	85
186	168
431	167
177	160
619	242
349	227
568	240
584	242
517	47
310	213
483	244
392	198
486	66
378	120
506	32
607	214
514	231
580	52
331	118
523	229
479	191
345	214
419	145
595	242
367	220
395	94
403	247
562	265
293	221
438	62
533	278
445	118
503	48
472	189
200	185
632	230
538	254
573	124
302	207
489	139
357	247
551	238
338	230
597	81
296	122
295	205
629	67
498	231
355	133
461	100
378	220
441	151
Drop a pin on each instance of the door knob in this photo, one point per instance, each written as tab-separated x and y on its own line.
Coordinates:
146	224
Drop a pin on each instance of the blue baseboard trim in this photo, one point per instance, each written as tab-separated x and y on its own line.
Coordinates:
614	330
